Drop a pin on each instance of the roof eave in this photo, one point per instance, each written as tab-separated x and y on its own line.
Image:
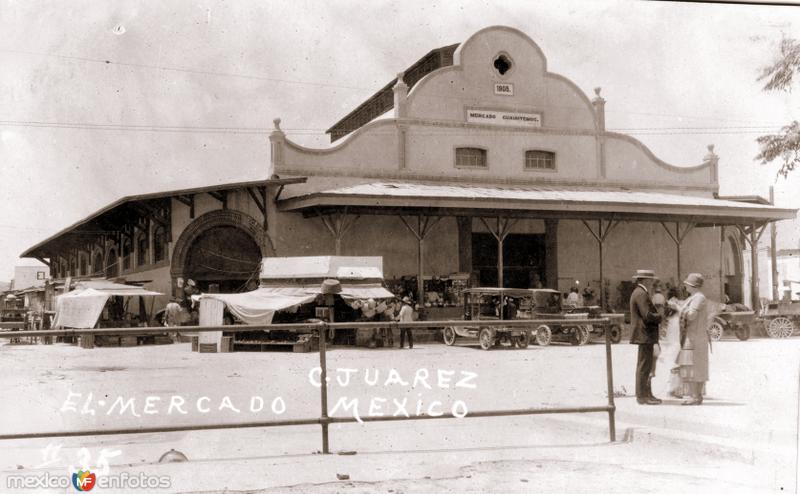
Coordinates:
31	252
740	215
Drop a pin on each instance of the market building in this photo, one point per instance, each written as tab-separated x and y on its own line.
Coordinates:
475	166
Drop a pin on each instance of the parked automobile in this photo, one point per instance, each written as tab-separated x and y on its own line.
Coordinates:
492	304
529	304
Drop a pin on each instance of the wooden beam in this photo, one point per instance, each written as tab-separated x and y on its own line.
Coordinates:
255	195
151	213
41	260
603	230
221	196
424	226
184	199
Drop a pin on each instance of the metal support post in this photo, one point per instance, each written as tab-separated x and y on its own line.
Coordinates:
323	419
612	427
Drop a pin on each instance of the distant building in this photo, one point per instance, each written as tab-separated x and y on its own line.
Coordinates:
788	279
29	276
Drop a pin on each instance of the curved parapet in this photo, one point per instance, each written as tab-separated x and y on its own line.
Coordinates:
373	147
628	157
473	81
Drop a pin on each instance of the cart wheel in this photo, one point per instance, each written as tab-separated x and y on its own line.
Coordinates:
715	331
579	336
543	335
743	332
524	339
780	327
616	333
485	337
449	335
585	333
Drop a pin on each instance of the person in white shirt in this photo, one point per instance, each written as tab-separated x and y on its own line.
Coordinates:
406	315
573	298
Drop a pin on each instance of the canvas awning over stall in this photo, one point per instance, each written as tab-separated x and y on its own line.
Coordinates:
287	282
81	308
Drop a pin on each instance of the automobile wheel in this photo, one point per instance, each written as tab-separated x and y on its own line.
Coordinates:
449	335
616	333
715	331
780	327
523	340
485	337
543	335
743	332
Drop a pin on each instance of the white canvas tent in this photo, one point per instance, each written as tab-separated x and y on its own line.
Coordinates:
81	308
287	282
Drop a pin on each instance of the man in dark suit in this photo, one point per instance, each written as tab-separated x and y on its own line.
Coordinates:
645	319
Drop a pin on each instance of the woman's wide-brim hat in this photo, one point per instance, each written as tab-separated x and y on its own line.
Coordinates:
406	300
644	274
694	279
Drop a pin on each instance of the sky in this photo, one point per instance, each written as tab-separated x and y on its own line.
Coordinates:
102	99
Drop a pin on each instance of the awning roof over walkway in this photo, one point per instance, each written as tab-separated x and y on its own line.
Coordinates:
541	202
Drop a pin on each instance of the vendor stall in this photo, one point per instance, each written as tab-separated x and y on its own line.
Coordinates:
102	303
288	293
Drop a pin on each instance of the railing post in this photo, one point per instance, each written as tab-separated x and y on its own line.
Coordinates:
323	378
612	428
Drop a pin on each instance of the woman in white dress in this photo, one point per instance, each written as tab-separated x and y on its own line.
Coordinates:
668	380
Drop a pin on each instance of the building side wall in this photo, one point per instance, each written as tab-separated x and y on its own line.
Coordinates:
28	276
378	235
432	151
631	246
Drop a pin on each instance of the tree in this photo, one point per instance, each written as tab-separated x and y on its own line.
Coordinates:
779	77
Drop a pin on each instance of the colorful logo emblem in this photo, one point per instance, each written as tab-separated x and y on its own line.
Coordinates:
83	481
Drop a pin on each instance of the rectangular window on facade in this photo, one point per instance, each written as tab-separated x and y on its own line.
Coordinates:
40	275
540	160
470	158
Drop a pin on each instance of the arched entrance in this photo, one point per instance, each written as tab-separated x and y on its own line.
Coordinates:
224	259
220	251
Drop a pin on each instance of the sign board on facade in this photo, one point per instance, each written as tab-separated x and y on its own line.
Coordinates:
504	88
492	117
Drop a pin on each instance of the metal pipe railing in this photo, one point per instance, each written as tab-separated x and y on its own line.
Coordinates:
322	328
306	327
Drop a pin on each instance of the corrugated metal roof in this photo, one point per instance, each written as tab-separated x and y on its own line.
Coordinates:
406	189
553	199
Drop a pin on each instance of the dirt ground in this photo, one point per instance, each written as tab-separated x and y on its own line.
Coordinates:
743	439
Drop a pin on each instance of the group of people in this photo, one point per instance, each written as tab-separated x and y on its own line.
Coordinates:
576	299
673	333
